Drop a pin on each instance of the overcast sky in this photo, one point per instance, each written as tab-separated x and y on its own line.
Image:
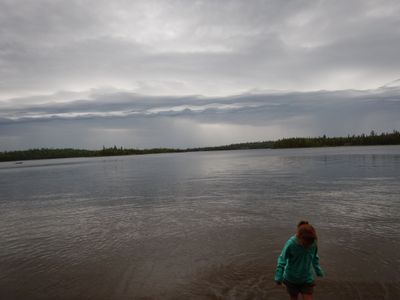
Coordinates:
85	74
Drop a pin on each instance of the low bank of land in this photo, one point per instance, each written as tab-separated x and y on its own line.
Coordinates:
392	138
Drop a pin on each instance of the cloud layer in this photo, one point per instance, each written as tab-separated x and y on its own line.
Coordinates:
133	120
196	47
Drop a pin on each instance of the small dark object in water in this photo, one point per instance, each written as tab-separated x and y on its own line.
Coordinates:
19	163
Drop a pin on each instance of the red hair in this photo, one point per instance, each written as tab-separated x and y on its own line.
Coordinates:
306	233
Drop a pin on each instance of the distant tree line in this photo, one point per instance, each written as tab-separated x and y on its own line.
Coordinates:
112	151
47	153
392	138
240	146
44	153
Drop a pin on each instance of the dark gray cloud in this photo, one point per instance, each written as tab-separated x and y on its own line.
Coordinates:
87	73
134	120
272	105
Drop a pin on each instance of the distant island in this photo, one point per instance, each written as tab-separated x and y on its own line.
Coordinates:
373	138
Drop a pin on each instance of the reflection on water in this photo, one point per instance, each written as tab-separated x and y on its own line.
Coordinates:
198	225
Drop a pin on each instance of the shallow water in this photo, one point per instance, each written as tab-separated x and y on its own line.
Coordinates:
205	225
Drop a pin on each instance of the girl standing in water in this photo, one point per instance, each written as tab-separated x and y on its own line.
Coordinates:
296	263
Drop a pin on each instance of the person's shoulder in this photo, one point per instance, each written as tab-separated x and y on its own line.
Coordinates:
292	241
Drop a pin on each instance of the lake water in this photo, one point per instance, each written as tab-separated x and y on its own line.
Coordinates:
206	225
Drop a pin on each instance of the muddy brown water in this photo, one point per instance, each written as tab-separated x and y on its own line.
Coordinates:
206	225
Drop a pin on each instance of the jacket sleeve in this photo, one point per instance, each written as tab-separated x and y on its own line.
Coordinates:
316	265
282	261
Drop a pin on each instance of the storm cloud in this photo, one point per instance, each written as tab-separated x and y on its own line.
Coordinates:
194	73
133	120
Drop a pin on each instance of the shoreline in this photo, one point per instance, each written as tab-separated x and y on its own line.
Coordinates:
384	139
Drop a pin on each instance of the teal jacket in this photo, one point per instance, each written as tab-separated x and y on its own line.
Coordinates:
296	263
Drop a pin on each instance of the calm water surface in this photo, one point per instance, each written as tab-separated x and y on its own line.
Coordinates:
204	225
